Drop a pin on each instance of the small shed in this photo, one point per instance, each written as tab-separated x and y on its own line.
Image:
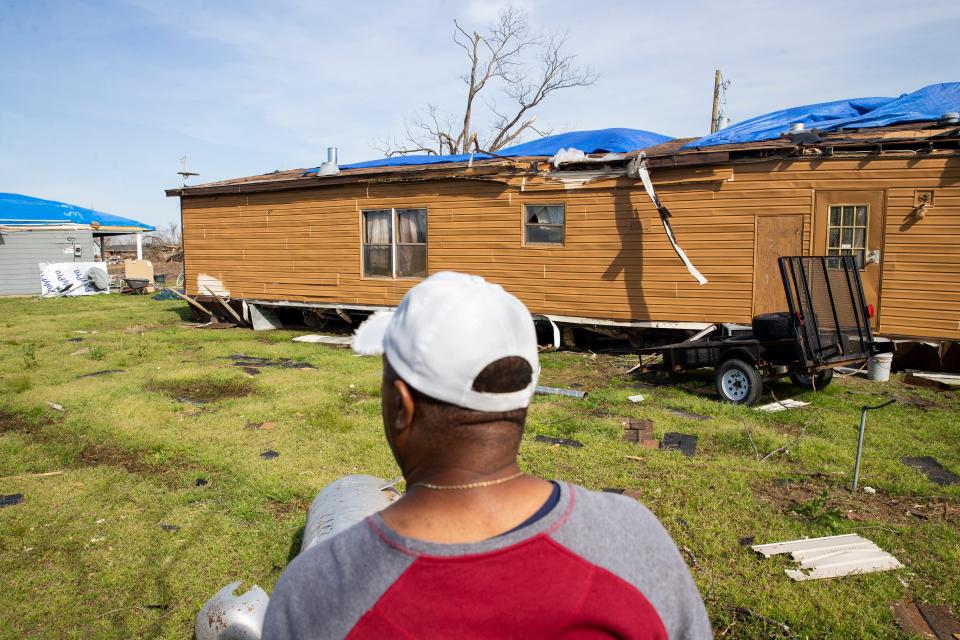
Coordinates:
34	231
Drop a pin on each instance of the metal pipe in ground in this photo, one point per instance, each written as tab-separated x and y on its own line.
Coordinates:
863	427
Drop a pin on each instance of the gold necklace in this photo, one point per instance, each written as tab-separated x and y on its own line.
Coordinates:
469	485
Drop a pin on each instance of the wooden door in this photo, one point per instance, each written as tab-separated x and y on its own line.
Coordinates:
776	236
851	223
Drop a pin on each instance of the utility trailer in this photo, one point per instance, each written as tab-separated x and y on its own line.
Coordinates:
827	326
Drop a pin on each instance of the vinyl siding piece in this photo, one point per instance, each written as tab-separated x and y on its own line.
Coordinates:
22	251
616	262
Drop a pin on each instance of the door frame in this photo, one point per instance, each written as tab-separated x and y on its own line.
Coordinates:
819	224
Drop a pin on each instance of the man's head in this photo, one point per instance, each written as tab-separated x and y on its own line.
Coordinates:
460	367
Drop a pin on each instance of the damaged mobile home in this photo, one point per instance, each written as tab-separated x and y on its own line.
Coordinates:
571	223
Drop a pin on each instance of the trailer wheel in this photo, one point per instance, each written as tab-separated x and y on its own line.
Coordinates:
739	382
816	382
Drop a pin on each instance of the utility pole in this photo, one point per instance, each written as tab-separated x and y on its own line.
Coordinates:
717	81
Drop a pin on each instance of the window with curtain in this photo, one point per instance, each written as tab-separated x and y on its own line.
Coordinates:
378	243
411	243
543	224
395	243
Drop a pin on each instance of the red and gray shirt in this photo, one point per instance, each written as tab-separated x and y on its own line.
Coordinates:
598	565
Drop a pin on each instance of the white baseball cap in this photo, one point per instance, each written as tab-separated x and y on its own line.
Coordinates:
446	330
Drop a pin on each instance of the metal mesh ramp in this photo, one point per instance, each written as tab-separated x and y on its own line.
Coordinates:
825	295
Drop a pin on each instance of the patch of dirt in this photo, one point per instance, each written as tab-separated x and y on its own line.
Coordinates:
131	461
202	390
16	422
293	505
793	496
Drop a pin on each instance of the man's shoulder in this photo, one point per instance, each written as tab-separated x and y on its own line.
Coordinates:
607	510
328	587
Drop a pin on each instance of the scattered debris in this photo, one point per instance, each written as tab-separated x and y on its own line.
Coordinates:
926	621
554	391
931	468
229	615
640	432
269	454
251	362
106	372
226	305
200	482
41	474
74	339
192	302
345	341
563	442
939	381
782	405
11	499
746	541
831	557
682	442
55	406
637	398
687	414
80	352
167	294
172	528
869	490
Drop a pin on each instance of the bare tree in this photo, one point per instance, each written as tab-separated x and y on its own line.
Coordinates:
500	65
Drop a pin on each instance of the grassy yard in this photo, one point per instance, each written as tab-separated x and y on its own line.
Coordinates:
164	497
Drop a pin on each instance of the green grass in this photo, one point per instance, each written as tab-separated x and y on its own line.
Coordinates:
84	555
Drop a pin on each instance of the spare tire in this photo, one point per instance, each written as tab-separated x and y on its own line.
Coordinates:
768	327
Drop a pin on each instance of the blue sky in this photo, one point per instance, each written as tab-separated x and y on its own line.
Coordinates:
99	100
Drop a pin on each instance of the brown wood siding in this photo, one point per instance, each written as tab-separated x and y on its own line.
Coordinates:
616	262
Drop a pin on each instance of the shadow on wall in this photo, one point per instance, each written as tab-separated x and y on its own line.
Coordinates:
629	260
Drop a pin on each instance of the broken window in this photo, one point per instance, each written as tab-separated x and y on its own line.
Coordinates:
395	243
847	231
543	223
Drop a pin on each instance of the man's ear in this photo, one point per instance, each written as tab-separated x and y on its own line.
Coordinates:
403	411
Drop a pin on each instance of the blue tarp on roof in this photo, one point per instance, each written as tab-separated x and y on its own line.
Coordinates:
769	126
16	209
927	104
617	140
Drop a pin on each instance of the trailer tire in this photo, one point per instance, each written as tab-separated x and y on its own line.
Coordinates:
738	382
769	327
817	382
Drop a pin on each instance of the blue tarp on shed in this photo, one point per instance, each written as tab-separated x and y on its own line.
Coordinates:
924	105
17	209
616	140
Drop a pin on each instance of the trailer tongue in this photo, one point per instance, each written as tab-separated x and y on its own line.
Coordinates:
827	325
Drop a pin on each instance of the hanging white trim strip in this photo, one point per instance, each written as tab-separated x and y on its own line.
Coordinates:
638	168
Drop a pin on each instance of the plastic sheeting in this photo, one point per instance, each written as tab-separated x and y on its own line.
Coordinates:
771	125
924	105
16	209
617	140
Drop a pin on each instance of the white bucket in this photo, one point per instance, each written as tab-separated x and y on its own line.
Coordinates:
878	367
